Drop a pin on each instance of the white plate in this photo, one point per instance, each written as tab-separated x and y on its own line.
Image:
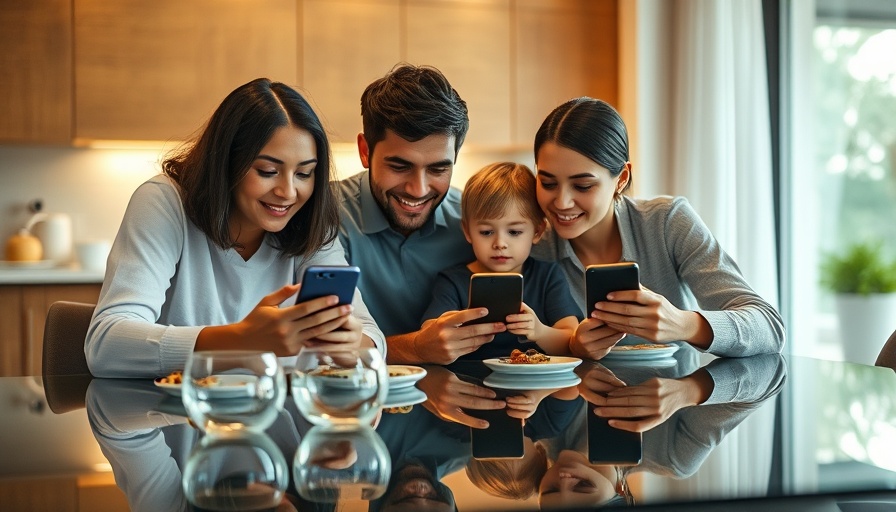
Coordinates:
403	376
342	378
228	386
27	264
654	364
648	354
531	382
404	397
555	365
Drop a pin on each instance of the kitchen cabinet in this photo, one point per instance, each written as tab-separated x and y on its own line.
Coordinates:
470	42
36	71
89	492
22	320
345	45
136	70
563	49
512	61
157	70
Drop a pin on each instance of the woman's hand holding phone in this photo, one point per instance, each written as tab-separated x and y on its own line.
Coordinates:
593	339
651	316
641	407
284	330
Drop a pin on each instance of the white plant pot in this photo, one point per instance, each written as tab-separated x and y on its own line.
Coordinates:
866	321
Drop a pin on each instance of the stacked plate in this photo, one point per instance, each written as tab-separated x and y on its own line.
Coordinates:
402	391
556	373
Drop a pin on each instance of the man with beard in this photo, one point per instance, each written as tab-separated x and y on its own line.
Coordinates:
400	219
414	487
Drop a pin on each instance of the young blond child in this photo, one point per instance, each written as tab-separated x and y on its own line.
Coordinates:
502	220
515	479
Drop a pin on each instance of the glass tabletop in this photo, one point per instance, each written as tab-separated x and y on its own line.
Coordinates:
767	427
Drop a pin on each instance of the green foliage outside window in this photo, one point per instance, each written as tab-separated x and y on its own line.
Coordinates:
862	269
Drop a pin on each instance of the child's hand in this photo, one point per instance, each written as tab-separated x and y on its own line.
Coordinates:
524	405
525	324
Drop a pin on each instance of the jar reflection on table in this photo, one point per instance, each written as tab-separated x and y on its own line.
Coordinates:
334	386
333	463
232	390
236	471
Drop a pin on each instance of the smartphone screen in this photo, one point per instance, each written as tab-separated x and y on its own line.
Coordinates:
502	294
320	281
609	445
603	279
503	439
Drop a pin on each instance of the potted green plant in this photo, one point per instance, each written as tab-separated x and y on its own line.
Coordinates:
863	281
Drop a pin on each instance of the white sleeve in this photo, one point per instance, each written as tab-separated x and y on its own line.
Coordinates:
123	339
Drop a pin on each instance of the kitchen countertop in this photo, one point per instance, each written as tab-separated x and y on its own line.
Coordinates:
71	274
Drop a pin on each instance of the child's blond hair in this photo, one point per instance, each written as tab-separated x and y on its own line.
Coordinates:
496	187
514	479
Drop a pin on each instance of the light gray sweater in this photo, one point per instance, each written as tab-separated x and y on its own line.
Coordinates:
681	260
166	280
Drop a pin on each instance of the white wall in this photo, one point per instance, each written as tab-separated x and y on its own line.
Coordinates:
93	186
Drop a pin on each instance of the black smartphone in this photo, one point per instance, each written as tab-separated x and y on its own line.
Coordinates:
502	294
322	280
503	439
609	445
612	277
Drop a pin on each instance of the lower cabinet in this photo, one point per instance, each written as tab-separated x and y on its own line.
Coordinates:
94	492
22	316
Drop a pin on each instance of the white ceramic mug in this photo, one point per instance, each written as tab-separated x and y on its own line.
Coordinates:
55	233
92	254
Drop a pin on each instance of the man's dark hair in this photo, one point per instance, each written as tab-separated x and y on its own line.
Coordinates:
414	102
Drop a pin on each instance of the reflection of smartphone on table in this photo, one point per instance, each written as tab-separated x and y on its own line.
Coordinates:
609	445
501	294
612	277
323	280
503	439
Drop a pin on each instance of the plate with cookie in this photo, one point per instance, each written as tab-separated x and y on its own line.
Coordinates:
642	351
219	386
531	362
403	376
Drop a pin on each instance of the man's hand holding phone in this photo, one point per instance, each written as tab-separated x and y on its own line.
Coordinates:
444	339
448	396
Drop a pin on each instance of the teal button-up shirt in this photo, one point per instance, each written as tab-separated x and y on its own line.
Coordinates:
398	272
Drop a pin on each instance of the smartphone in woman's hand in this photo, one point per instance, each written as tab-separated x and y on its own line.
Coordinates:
324	280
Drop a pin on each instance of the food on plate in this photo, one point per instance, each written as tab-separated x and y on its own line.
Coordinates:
400	370
530	356
641	346
405	409
177	377
339	373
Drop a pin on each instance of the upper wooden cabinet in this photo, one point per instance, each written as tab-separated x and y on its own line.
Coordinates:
346	44
36	71
563	49
157	70
511	60
470	42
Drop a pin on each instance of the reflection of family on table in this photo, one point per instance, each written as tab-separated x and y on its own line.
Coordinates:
211	252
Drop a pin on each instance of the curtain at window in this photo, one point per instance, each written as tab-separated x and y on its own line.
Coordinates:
720	141
705	135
